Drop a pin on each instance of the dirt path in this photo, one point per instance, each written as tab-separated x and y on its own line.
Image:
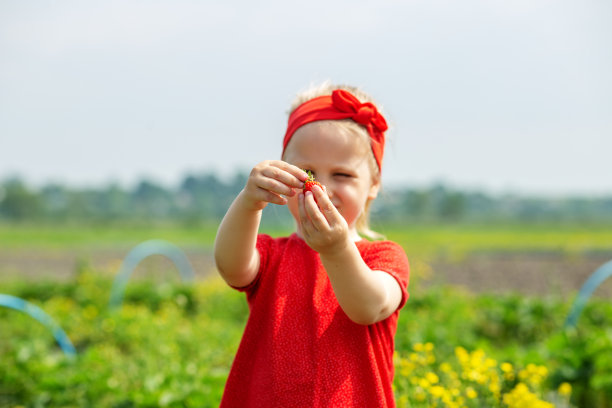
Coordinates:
63	264
529	273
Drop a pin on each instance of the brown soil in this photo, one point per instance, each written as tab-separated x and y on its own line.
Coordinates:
528	273
62	264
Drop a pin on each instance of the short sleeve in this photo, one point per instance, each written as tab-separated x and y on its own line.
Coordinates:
264	246
388	256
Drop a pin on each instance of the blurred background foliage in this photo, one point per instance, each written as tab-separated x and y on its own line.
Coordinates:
205	197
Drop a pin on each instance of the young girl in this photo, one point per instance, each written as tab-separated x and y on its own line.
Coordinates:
323	302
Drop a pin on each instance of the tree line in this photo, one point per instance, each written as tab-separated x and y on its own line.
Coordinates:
204	198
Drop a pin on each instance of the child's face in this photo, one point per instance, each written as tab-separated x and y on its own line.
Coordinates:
340	160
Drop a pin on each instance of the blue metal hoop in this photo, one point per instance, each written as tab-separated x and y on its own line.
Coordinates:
14	302
137	255
597	278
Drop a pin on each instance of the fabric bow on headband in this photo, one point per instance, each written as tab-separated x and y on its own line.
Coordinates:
341	104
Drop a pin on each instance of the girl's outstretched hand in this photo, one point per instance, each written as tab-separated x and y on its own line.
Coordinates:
270	181
323	227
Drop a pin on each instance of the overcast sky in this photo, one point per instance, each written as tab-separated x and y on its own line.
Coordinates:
491	94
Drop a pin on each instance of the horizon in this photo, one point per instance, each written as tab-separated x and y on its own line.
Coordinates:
226	178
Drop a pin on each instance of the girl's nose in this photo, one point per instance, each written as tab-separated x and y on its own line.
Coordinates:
328	188
329	191
327	183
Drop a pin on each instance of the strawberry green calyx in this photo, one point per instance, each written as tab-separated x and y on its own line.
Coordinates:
310	182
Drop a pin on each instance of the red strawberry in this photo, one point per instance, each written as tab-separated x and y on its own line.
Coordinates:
310	182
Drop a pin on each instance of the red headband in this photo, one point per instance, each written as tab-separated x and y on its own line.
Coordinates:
341	104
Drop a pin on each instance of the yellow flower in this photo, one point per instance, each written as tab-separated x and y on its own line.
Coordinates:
521	397
437	391
432	378
490	363
496	391
446	399
533	374
478	355
462	354
474	375
423	383
565	389
471	393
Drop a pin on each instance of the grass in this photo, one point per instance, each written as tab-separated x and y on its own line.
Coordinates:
29	236
458	240
418	240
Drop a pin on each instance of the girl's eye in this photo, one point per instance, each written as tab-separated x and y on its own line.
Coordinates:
343	175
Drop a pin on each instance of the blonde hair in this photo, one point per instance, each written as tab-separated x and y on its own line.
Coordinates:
326	88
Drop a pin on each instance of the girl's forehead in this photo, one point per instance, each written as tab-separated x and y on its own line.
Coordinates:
326	138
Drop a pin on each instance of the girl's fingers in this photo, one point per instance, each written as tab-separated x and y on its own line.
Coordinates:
305	221
326	207
275	186
286	173
314	213
293	170
270	197
303	217
271	181
274	179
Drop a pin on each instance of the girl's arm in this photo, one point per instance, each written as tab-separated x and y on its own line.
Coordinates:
366	296
236	256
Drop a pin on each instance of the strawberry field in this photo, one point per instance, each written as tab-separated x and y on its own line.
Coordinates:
171	344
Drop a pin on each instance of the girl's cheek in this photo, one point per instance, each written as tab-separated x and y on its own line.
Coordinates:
344	191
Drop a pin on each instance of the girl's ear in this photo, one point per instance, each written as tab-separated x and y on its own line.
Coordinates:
374	188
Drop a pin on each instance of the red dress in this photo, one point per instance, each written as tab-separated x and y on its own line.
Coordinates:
299	348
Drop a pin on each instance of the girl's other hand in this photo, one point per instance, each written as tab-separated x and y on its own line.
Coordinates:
323	227
271	181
